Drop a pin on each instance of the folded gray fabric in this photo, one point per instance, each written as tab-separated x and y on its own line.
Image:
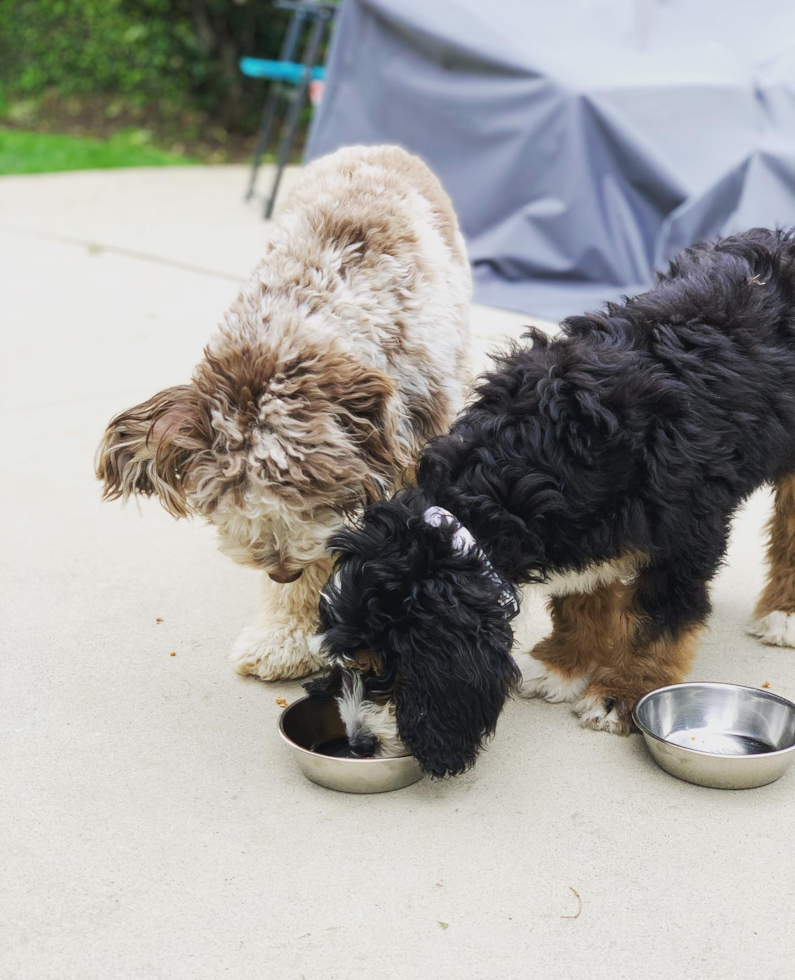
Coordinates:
584	142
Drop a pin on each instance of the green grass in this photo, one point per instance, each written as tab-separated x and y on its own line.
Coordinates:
36	153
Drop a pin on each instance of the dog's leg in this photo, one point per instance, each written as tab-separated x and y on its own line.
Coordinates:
281	641
607	702
559	667
774	618
649	642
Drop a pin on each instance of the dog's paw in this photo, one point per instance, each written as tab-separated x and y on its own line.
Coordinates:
540	681
776	629
605	714
276	654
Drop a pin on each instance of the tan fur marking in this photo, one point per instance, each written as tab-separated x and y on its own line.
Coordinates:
637	670
366	659
345	412
602	634
580	622
779	592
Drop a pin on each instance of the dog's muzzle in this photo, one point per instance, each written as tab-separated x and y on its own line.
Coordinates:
363	746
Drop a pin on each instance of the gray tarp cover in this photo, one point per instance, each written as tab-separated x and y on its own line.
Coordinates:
584	142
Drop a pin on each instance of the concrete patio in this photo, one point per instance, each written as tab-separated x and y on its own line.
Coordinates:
152	823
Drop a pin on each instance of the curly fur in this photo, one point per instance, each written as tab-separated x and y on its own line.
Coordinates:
343	353
612	457
395	575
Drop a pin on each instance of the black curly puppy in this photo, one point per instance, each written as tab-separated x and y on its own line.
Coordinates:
604	466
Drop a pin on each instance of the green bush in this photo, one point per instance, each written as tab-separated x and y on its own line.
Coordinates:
175	54
97	46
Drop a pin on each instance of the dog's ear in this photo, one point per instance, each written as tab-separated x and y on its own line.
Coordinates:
454	673
148	449
325	687
366	404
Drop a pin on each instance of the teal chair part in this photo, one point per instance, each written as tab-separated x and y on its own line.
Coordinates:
279	71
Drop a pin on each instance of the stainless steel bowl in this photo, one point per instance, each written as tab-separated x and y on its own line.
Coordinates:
720	735
309	723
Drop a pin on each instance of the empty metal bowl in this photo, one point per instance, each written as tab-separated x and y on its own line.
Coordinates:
307	725
720	735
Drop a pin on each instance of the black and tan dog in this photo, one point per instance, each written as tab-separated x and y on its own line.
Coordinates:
604	466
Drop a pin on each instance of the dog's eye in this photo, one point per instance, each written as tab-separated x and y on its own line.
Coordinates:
364	659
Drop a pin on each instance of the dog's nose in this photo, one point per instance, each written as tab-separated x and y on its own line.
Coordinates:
363	746
283	577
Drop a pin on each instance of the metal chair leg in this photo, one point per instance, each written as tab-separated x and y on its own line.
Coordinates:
316	37
264	135
286	53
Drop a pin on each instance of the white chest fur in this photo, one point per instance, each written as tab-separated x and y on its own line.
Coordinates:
591	578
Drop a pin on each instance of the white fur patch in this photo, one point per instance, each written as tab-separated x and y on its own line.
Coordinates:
275	653
361	716
589	579
541	681
593	714
464	541
282	642
776	629
350	701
